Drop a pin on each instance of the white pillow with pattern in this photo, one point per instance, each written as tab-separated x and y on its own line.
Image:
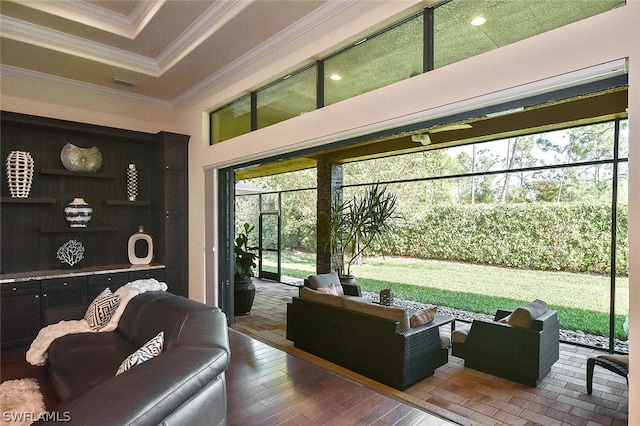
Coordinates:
147	351
101	309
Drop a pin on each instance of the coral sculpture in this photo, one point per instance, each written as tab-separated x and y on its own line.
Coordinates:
71	252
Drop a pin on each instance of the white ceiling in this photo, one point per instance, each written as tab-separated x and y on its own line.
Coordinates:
168	48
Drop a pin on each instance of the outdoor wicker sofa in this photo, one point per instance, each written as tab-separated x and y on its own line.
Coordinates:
362	337
521	354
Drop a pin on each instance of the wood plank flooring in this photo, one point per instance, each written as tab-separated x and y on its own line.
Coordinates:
266	386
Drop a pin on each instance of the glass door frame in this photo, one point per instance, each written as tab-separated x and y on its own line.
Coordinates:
263	251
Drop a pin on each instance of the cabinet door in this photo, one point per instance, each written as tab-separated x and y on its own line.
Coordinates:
158	274
64	292
97	283
20	313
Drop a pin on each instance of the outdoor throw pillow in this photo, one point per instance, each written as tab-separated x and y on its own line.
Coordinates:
331	289
524	316
101	309
147	351
324	280
424	316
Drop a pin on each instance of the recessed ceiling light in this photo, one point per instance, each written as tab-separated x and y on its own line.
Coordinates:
478	20
335	77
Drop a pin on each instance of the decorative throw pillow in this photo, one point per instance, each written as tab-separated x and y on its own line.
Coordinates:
331	289
101	309
524	316
147	351
424	316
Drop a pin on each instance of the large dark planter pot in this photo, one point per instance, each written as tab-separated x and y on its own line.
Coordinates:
347	279
244	293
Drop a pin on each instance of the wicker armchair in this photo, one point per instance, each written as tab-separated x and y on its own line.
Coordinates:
524	355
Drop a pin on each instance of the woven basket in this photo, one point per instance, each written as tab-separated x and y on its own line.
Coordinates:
19	173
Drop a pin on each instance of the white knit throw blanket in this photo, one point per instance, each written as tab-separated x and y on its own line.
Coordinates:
37	353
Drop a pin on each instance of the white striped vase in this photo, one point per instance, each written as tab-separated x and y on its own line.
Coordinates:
78	213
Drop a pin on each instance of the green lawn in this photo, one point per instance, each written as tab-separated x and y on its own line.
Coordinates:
582	300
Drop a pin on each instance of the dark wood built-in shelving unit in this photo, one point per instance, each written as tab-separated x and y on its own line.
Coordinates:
34	228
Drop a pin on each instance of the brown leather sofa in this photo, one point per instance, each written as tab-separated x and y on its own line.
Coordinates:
185	384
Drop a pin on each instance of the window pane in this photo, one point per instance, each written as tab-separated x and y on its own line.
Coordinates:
455	38
288	98
389	57
231	121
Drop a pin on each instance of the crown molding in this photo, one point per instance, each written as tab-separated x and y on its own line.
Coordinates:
205	26
47	38
11	71
94	16
307	23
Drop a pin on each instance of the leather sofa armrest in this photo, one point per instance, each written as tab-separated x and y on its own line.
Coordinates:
64	313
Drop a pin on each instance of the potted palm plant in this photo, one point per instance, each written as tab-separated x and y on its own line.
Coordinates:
244	262
357	223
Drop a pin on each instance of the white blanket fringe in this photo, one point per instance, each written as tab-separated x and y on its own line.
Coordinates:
37	353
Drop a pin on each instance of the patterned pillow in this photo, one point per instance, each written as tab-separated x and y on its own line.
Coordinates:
101	309
147	351
424	316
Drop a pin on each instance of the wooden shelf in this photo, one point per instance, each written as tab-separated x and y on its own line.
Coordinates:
127	203
29	200
63	172
78	230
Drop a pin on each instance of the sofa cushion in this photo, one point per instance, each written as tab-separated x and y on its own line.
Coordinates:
325	280
78	362
329	299
147	351
459	335
388	312
524	316
423	316
101	309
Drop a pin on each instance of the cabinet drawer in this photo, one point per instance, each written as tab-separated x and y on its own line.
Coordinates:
97	283
63	283
31	287
64	292
158	274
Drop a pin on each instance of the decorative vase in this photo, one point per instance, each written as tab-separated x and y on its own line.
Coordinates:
134	259
132	182
19	173
78	213
244	292
76	159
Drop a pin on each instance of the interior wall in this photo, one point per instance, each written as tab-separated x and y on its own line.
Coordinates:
82	103
471	82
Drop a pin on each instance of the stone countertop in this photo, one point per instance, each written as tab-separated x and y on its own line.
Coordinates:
77	272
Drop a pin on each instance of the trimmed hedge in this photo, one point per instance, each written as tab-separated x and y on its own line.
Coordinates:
572	237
